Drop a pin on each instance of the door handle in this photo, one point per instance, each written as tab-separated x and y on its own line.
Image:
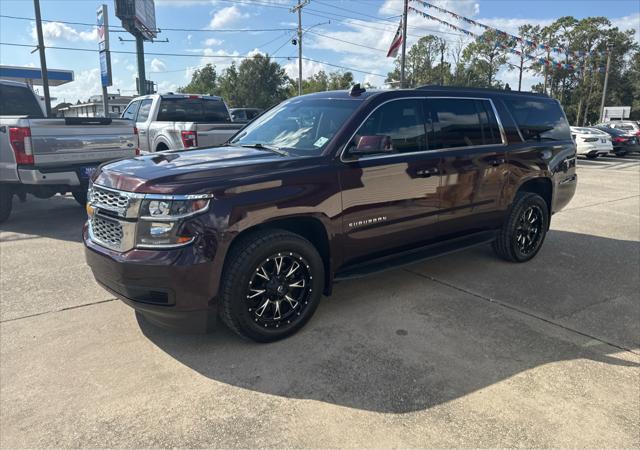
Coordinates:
426	173
142	132
497	162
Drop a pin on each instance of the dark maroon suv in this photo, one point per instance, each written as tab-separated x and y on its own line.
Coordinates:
322	187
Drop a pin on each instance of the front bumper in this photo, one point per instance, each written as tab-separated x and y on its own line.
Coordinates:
172	288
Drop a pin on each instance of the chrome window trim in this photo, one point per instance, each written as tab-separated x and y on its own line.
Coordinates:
503	135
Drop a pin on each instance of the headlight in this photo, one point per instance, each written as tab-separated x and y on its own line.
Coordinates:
161	219
172	209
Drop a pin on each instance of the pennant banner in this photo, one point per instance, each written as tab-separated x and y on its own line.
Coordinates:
549	62
532	44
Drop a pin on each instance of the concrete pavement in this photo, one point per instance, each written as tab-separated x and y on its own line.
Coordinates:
461	351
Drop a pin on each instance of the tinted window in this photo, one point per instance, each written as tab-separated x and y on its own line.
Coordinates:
539	120
215	111
252	114
131	111
145	108
461	123
399	122
19	101
180	110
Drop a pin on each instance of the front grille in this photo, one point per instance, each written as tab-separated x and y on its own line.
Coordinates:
107	232
110	200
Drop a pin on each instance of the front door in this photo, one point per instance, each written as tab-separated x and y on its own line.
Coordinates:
391	198
466	134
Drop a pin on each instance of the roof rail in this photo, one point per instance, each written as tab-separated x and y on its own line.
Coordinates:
477	89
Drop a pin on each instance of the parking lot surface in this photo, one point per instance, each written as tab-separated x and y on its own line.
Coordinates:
465	350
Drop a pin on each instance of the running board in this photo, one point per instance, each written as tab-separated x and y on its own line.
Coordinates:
415	255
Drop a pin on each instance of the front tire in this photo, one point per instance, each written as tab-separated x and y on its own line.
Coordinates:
271	285
523	233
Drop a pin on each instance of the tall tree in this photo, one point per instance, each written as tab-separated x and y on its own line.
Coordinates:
203	81
227	86
261	82
422	59
483	59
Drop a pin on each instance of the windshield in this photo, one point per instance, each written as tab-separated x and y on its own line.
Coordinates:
301	126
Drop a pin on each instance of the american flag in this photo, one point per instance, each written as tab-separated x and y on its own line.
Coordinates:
396	43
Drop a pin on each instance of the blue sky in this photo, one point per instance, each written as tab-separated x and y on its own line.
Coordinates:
324	43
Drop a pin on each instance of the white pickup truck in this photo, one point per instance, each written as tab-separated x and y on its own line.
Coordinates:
179	121
45	156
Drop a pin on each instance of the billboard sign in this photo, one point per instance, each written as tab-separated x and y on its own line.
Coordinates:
616	113
103	28
138	17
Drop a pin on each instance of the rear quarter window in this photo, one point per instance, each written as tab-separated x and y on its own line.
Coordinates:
19	101
539	120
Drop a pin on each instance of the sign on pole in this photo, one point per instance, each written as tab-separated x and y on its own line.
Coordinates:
103	45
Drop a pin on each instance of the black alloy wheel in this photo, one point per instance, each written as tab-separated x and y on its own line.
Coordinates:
279	290
529	229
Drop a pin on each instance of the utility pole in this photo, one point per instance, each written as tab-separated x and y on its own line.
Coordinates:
404	44
442	49
606	83
142	80
43	58
298	8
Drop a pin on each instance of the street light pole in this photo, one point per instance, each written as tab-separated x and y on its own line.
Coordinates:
43	58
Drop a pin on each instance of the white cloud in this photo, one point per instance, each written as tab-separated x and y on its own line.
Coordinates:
227	16
309	68
212	42
157	65
85	84
61	31
631	22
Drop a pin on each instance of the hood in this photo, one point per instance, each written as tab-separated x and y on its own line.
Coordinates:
165	172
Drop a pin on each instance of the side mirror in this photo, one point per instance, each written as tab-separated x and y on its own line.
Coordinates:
366	145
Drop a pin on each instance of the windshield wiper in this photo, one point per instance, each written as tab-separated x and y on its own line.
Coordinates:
271	148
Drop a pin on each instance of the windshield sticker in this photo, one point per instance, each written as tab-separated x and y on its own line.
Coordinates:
320	142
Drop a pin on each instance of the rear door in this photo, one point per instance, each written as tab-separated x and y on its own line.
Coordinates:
467	135
390	200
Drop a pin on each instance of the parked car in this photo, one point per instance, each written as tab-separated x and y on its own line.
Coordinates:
244	115
323	187
628	127
622	142
591	142
178	121
45	156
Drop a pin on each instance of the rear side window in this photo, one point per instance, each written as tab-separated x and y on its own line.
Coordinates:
539	120
131	111
19	101
461	123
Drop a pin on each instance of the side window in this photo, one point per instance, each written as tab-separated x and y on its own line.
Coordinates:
145	109
539	120
131	111
395	127
454	123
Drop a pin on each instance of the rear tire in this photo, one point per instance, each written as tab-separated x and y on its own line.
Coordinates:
80	197
6	203
592	156
523	233
271	285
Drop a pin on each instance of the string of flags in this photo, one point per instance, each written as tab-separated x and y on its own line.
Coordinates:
530	43
549	62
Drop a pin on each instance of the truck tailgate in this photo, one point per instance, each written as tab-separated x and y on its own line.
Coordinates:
212	134
78	140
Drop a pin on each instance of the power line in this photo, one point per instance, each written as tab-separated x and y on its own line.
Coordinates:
198	55
347	42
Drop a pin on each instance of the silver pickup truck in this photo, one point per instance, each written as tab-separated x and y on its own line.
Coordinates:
45	156
178	121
